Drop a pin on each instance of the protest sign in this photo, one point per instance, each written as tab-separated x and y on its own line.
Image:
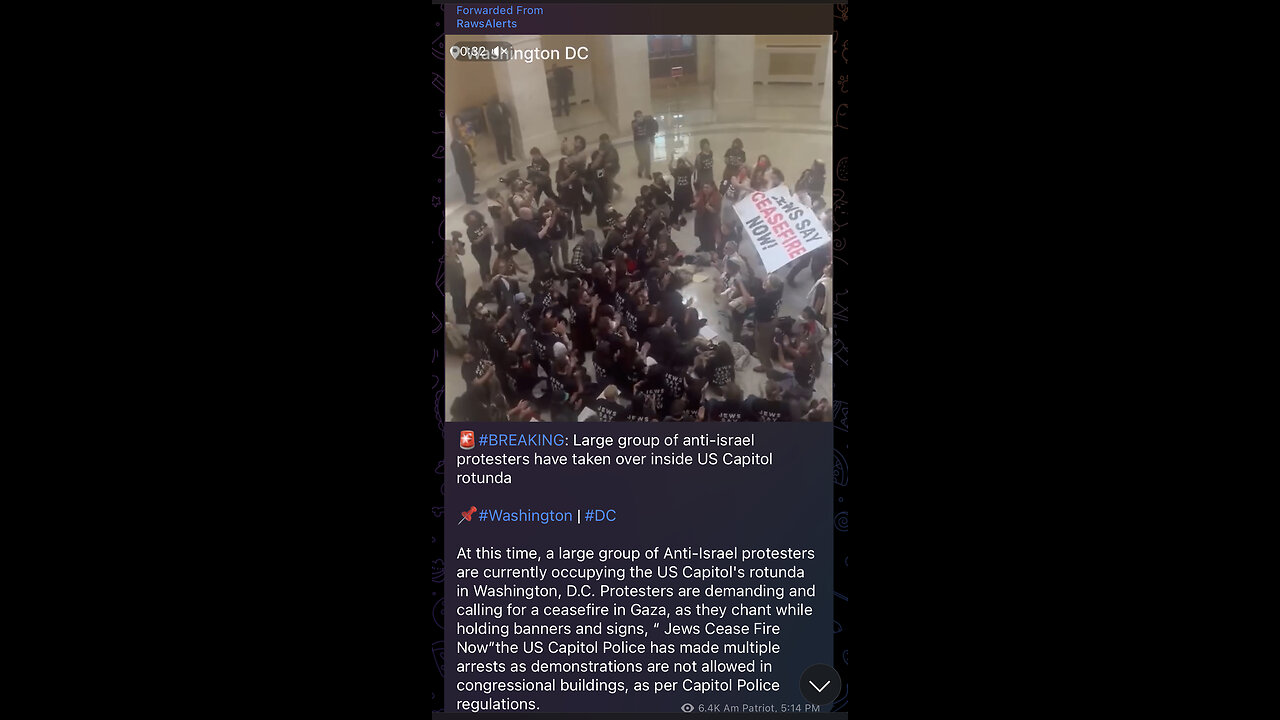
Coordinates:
779	226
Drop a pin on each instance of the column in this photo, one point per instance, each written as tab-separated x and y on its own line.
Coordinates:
735	69
523	87
828	88
629	75
706	60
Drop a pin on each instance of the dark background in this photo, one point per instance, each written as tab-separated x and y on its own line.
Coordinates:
844	384
652	19
783	505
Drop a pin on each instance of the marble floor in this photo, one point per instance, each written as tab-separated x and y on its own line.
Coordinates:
678	110
791	145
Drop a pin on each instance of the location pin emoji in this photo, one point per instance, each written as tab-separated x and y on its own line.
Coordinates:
454	52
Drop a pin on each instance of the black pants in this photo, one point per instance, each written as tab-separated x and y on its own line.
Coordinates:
544	186
610	187
816	262
683	203
484	255
468	181
458	291
575	213
541	263
503	140
562	104
644	157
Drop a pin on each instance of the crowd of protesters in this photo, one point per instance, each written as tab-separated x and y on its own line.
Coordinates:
580	314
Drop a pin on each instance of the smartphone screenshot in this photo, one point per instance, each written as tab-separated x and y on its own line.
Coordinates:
638	325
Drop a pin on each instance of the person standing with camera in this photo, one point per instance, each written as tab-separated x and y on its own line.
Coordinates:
643	130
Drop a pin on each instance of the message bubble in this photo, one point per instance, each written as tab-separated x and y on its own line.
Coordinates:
636	586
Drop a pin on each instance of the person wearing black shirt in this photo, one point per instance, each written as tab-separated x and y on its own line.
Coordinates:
653	388
607	406
470	407
771	407
636	218
612	244
569	184
481	243
705	165
608	218
667	250
606	331
678	411
601	283
641	253
499	118
525	235
734	158
582	316
682	177
676	383
526	378
765	306
504	346
482	381
655	282
610	165
629	368
561	82
629	311
597	183
731	409
817	179
660	193
718	368
548	300
466	167
688	329
544	342
539	174
642	410
643	130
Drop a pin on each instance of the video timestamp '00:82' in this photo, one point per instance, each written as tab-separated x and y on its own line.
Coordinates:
499	51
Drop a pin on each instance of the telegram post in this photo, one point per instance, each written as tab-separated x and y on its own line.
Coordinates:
637	568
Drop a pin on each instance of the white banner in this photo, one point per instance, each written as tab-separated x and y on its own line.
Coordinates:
779	226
